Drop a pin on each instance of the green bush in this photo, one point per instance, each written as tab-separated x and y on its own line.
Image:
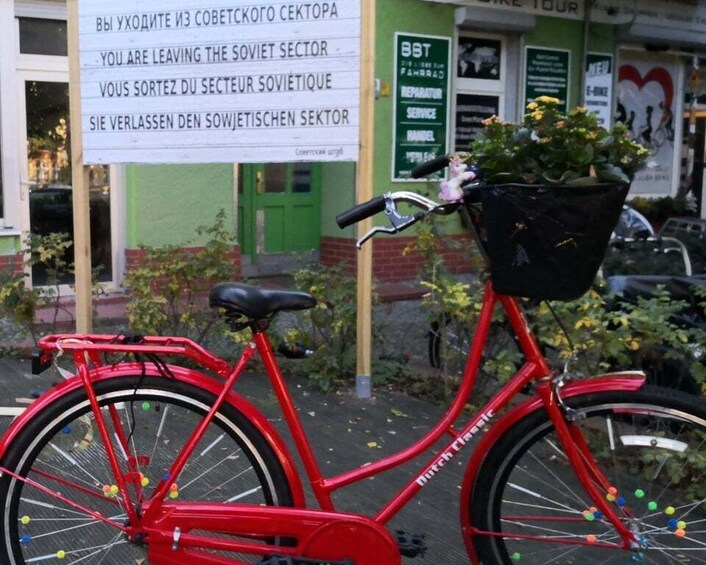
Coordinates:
657	210
19	302
328	330
165	290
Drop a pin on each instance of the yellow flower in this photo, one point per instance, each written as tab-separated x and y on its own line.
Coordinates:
547	100
532	106
537	115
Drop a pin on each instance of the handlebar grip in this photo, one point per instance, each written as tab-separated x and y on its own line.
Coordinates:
430	167
360	212
471	194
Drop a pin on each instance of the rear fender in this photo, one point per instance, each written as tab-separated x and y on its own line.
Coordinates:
182	374
624	381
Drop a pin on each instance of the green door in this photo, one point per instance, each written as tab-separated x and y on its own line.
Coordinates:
279	208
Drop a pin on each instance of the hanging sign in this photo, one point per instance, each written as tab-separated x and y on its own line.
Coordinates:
471	110
421	105
598	82
180	81
547	74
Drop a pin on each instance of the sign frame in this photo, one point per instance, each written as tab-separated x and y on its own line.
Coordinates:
610	85
460	114
167	84
396	103
525	90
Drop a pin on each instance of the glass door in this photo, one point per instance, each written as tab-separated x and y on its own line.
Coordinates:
48	131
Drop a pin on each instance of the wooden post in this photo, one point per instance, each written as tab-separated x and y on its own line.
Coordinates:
80	183
364	193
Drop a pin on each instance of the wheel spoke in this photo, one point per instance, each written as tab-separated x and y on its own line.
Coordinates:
650	447
151	421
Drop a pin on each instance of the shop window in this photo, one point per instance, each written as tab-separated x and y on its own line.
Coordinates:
480	84
49	172
43	37
479	58
2	208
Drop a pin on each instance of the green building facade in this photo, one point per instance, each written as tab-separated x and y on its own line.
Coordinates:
638	67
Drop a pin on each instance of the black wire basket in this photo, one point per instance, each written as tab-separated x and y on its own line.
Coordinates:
548	241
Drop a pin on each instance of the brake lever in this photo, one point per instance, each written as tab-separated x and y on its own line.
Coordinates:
399	222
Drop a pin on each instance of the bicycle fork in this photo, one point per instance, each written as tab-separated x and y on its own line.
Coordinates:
594	482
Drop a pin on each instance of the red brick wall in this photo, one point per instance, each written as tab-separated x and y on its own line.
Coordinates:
136	257
11	263
390	262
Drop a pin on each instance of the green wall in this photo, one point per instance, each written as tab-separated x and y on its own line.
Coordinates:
407	16
568	34
337	195
166	203
9	245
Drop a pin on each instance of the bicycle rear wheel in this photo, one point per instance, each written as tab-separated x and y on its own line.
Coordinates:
651	448
63	451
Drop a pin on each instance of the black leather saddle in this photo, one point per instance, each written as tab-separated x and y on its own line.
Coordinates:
256	303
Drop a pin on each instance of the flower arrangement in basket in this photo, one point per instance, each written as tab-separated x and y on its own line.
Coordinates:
555	187
548	147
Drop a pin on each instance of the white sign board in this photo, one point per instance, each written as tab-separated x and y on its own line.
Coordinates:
187	81
598	84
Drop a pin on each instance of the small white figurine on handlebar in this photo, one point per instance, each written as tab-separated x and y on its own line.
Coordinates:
450	190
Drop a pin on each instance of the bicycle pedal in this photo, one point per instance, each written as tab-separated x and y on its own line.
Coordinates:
411	545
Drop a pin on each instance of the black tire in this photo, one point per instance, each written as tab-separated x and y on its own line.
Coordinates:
525	486
232	462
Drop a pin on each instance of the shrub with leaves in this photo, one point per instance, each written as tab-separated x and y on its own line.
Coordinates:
167	292
19	302
329	329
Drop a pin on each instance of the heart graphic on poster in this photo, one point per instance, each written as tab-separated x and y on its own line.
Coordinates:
657	74
645	101
645	105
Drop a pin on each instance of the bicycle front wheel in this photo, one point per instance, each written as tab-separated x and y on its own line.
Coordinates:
650	451
62	450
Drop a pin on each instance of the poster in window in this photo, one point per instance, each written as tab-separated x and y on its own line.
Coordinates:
646	103
471	110
479	58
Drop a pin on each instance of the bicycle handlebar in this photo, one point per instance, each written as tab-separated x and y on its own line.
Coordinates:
431	167
387	203
360	212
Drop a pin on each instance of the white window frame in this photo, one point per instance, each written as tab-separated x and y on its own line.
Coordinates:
20	68
480	87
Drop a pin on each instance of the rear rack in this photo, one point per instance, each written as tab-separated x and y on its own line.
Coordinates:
93	345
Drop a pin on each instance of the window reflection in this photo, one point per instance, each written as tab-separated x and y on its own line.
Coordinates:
43	37
49	172
2	209
301	177
275	178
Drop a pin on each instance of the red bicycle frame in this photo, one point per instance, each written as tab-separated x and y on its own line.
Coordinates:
316	530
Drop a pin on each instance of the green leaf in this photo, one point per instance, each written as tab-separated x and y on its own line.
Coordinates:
611	173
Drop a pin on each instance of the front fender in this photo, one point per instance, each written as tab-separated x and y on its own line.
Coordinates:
183	374
624	381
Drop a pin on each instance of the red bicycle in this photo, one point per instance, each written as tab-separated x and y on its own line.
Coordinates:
141	459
